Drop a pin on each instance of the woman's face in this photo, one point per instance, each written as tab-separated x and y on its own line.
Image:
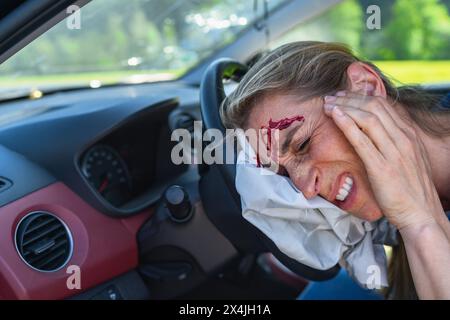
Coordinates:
316	156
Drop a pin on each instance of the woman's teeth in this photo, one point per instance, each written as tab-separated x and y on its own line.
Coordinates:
344	190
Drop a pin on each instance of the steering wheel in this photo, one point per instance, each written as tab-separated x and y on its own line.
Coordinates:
220	198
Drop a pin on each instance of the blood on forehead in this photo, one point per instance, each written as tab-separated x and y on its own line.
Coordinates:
283	123
274	125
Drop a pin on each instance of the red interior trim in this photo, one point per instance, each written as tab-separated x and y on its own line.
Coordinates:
104	247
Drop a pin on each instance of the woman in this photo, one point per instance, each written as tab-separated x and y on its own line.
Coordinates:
351	137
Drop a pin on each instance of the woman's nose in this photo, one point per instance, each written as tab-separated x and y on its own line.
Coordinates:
309	183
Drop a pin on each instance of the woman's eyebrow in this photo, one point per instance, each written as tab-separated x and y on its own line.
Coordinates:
290	135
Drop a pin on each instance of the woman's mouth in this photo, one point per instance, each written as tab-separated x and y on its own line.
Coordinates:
344	191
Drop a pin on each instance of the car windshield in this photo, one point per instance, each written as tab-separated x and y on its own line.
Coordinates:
112	41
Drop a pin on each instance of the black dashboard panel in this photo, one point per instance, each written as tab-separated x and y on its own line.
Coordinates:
139	152
19	176
131	119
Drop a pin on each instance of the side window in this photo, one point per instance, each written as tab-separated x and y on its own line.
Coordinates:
409	40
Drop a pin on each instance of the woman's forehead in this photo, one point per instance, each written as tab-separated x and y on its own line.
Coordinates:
279	107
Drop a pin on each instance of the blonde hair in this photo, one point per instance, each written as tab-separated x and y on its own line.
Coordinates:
311	69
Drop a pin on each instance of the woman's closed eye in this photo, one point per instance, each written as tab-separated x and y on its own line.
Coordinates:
302	147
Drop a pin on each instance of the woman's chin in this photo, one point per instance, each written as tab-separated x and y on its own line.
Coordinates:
369	213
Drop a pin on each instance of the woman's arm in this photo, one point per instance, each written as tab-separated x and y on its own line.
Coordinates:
426	246
400	174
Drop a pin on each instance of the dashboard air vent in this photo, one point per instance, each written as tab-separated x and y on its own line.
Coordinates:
43	241
4	184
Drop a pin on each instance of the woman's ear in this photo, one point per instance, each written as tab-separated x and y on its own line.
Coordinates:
364	80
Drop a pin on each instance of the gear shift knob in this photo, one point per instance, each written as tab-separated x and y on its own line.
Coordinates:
178	203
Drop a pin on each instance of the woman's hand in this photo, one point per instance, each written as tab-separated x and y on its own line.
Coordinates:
393	154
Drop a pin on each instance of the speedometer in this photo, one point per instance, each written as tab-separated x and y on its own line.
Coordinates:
107	173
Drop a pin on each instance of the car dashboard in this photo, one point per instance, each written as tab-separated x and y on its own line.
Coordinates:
97	161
